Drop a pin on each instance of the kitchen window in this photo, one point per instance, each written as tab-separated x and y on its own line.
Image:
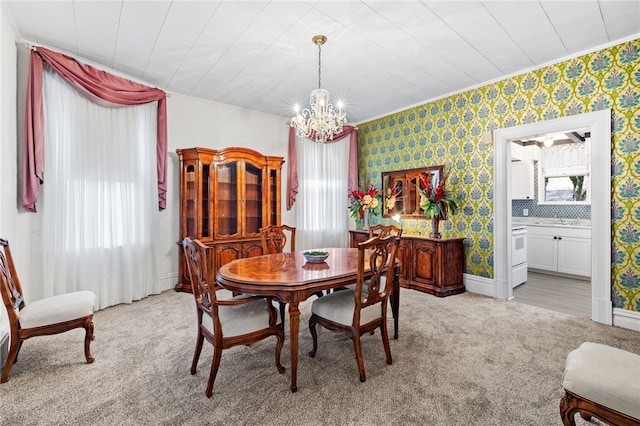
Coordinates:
564	174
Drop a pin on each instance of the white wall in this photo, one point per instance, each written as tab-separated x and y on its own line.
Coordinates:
191	122
8	155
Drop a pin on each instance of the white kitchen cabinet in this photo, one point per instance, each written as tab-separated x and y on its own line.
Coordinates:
522	187
560	249
542	251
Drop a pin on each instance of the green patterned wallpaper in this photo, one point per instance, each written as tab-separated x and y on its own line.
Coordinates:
450	131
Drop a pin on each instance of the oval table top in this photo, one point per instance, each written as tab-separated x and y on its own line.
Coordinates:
290	270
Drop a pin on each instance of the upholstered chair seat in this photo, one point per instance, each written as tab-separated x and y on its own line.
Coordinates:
602	382
57	309
338	307
241	319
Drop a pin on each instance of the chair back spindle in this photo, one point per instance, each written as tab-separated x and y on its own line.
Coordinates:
274	239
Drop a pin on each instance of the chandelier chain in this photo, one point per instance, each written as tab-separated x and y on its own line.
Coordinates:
319	63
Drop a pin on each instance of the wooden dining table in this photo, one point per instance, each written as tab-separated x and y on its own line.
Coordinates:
291	279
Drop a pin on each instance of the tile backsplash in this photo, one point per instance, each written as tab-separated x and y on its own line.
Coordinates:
552	211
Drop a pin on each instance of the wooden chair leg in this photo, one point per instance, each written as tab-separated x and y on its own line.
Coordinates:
282	306
385	342
358	350
88	337
215	364
314	336
196	352
279	345
11	359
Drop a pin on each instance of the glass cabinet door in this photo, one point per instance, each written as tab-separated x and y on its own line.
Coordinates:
253	196
227	199
190	211
204	200
273	199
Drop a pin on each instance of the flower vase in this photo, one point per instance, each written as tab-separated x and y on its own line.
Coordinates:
365	220
435	228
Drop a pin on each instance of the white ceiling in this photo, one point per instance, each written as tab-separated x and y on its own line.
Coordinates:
380	57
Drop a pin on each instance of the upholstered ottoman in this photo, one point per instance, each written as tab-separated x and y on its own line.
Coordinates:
601	382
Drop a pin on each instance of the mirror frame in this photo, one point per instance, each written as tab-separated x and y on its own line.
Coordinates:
407	204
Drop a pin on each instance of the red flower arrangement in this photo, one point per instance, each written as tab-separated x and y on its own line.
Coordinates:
360	202
435	201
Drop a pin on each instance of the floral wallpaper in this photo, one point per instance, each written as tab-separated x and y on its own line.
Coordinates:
450	131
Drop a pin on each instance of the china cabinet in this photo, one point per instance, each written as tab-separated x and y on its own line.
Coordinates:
226	196
430	265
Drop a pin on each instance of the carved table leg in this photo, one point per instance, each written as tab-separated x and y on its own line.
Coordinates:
294	326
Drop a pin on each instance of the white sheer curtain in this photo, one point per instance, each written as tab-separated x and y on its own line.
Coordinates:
570	159
100	205
322	216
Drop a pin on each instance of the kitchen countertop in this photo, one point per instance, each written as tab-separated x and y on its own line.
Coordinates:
552	222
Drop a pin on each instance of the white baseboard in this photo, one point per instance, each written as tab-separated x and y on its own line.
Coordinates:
480	285
626	319
169	281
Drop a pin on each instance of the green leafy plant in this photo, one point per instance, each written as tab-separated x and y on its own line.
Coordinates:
435	201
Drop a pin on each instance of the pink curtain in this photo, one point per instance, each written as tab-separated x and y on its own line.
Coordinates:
292	170
96	85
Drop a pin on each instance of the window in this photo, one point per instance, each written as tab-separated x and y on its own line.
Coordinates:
563	172
565	189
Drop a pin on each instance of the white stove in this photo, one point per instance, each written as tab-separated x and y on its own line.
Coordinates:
518	254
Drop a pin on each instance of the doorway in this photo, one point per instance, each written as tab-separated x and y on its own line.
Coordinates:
599	124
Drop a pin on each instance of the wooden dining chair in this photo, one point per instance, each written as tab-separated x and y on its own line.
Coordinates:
384	230
274	239
240	320
358	311
51	315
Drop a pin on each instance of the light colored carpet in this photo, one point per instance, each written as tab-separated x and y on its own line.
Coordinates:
460	360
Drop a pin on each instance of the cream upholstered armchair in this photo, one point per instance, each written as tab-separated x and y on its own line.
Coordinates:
51	315
358	311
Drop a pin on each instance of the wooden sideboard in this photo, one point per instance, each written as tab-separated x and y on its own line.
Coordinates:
430	265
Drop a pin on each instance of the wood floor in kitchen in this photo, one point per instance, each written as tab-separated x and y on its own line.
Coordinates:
568	295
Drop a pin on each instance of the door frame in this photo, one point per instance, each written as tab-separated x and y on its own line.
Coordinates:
599	123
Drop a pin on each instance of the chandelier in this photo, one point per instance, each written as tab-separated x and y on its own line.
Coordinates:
320	122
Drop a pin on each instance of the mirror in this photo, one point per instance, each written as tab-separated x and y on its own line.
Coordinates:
400	190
